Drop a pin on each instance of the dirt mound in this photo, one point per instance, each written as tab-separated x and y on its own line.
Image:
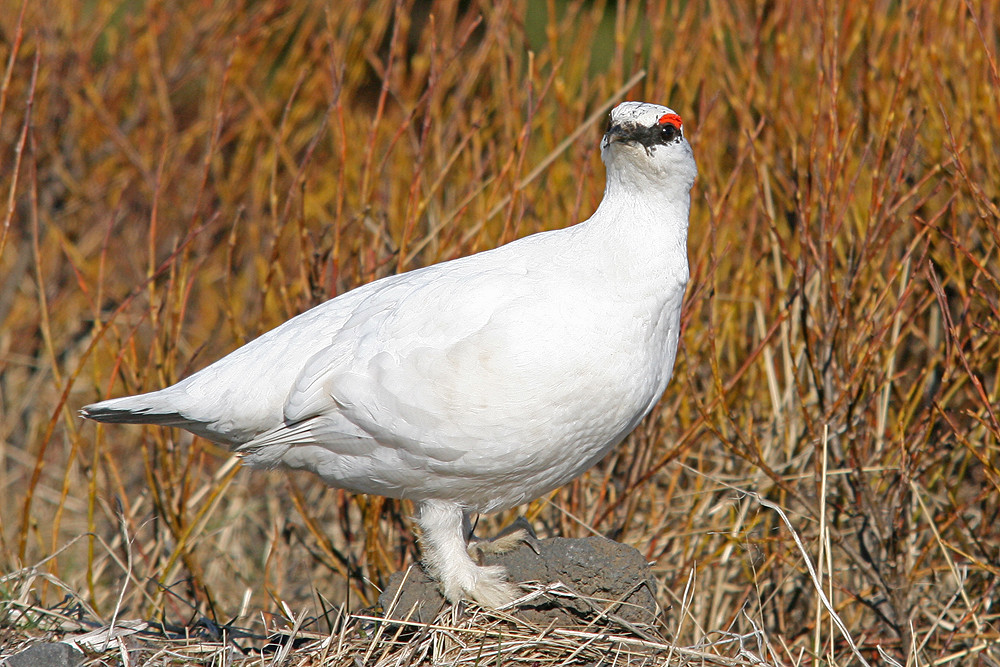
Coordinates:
574	581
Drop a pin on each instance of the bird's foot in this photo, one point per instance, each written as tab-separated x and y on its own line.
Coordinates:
510	538
446	558
484	585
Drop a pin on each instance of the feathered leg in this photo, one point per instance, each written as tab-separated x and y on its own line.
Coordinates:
445	555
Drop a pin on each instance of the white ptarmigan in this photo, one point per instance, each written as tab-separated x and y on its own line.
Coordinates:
477	384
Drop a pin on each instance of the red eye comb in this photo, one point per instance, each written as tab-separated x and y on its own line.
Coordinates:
671	118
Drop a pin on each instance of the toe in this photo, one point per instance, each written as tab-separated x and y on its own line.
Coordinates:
492	590
509	539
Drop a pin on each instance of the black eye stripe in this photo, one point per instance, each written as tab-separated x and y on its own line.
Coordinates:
648	136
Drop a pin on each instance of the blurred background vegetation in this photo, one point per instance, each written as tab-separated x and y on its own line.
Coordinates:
179	177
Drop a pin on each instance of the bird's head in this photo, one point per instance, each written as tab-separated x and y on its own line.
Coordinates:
644	146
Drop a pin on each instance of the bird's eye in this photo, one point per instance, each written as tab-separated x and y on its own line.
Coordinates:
608	128
669	132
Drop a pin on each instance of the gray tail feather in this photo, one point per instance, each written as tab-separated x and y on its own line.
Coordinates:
141	409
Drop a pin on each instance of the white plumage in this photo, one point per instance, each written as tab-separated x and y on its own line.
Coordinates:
477	384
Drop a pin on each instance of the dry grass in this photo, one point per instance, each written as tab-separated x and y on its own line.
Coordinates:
821	483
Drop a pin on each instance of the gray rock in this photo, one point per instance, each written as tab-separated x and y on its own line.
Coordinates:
55	654
602	575
419	600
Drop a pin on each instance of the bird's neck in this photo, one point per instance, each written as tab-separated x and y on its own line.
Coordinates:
649	224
